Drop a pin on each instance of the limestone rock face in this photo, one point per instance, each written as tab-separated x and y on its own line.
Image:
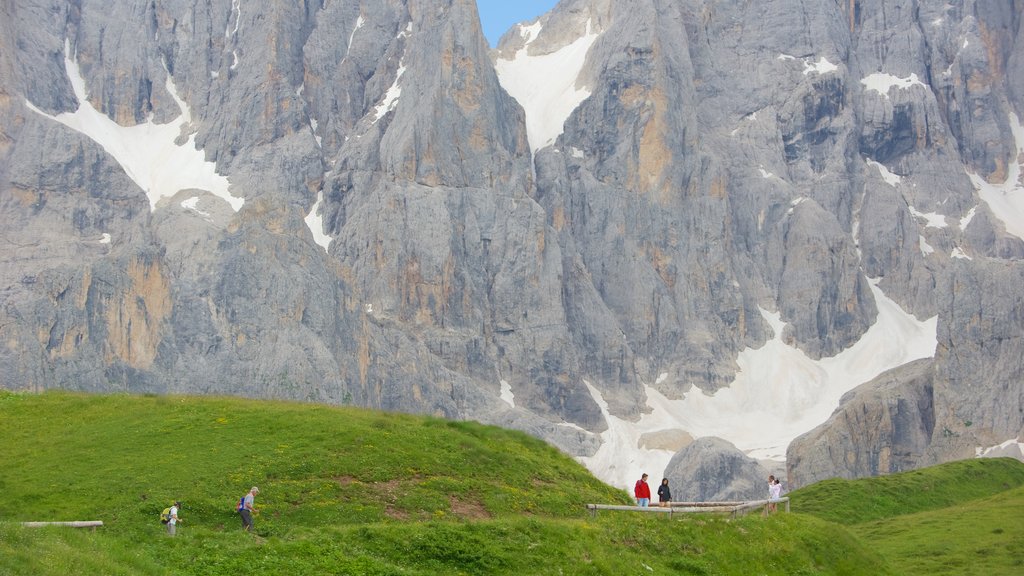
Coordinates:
713	470
882	427
362	203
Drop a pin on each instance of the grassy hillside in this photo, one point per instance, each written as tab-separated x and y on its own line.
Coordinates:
938	487
960	518
123	458
349	491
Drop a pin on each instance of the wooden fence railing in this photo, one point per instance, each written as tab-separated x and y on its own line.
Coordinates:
732	508
76	524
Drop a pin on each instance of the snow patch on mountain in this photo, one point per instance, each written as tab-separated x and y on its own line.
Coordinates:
147	152
822	66
890	178
192	204
924	246
1012	448
236	17
1006	200
394	92
352	36
882	83
546	85
507	395
391	96
315	223
779	393
932	219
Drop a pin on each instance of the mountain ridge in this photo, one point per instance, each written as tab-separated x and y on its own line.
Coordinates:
400	240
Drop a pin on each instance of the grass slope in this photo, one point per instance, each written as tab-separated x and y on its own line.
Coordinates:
349	491
937	487
960	518
982	537
122	459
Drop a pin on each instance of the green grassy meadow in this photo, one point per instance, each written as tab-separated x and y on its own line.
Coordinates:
960	518
351	491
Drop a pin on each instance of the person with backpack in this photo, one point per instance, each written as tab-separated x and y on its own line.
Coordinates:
172	518
246	508
642	491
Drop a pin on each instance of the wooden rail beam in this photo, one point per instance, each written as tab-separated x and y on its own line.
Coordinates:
75	524
734	508
705	504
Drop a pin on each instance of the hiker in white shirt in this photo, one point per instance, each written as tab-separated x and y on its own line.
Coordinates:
246	510
172	520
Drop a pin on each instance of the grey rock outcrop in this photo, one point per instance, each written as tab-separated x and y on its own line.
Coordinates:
882	427
713	470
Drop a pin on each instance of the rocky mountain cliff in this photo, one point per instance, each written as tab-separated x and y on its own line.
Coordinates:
593	227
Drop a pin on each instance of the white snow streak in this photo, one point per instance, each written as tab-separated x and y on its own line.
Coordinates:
530	33
146	152
192	205
1012	448
545	85
932	219
394	92
236	13
924	246
315	223
822	66
507	395
967	219
1006	200
313	124
794	203
778	394
882	83
359	24
890	178
391	97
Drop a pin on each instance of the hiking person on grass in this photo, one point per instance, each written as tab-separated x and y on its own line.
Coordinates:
172	520
246	508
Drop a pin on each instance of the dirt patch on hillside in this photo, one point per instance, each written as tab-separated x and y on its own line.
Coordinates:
467	509
395	513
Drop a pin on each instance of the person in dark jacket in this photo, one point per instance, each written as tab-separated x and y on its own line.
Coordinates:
664	494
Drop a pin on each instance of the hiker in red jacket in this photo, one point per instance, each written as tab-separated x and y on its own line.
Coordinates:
642	492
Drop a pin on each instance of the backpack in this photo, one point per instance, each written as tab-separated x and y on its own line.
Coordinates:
165	516
241	504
